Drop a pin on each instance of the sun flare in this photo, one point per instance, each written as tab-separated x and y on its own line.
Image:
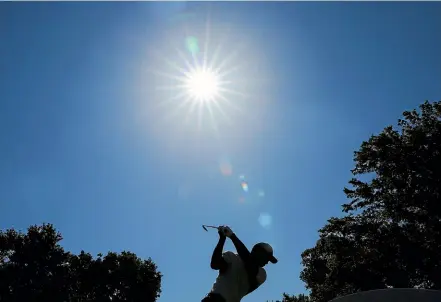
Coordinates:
202	84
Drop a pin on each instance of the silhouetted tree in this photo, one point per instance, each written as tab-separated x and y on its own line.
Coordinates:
34	267
391	233
294	298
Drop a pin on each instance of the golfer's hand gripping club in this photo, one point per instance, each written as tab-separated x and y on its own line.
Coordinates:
225	231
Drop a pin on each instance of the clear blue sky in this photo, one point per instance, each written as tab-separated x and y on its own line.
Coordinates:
88	141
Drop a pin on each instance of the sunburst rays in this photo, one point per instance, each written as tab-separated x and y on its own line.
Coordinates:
200	82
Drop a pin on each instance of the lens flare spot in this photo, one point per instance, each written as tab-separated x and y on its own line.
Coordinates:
241	177
261	193
265	220
192	44
226	168
242	199
244	186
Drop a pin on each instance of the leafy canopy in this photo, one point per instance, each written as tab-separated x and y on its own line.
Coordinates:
34	267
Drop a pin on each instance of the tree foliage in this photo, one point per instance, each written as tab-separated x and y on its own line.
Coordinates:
390	234
294	298
34	267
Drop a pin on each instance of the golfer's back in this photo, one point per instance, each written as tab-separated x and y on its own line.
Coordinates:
233	284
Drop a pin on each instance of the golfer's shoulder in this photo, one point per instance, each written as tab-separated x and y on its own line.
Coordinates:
261	275
229	256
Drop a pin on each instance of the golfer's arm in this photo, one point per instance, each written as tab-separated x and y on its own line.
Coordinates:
251	268
217	261
241	249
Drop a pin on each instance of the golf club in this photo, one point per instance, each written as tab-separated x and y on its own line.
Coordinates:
209	226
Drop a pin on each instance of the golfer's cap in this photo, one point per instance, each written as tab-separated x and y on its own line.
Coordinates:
268	249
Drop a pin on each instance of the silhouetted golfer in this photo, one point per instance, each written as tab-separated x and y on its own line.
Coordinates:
241	273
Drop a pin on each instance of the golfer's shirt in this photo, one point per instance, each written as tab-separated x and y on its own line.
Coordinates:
233	284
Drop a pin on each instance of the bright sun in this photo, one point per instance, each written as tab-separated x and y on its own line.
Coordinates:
202	84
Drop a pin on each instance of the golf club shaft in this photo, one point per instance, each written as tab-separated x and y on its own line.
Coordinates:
211	226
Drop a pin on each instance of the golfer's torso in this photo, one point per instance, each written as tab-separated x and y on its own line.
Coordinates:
233	284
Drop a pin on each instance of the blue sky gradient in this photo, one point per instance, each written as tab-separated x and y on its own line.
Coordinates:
88	141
